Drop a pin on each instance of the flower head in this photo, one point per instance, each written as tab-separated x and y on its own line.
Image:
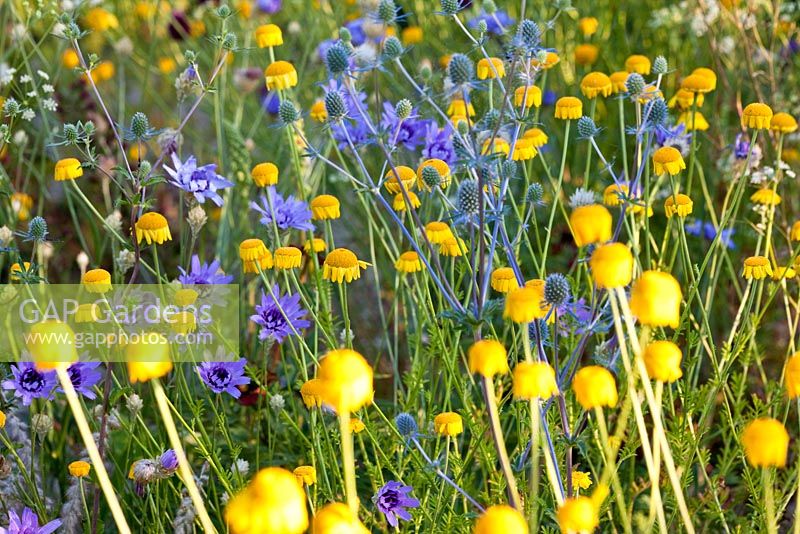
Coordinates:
663	361
286	212
501	518
668	159
638	63
528	96
408	262
680	204
490	68
280	75
792	376
325	207
656	299
503	279
265	174
783	123
756	115
590	224
203	273
766	197
287	258
586	54
448	424
765	443
524	304
28	523
534	380
224	377
594	386
67	169
612	265
757	267
311	392
29	383
84	376
578	514
346	380
202	182
596	83
96	281
153	228
255	255
279	316
79	469
336	518
393	499
306	474
269	35
487	357
342	265
148	357
272	502
569	107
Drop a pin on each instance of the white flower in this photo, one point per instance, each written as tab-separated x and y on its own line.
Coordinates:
727	44
240	466
6	74
28	114
6	235
25	79
582	197
276	402
42	74
124	46
47	88
32	94
20	138
49	104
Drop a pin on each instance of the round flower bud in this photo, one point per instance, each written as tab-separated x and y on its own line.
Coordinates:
392	48
487	357
529	33
595	386
663	361
660	65
387	12
766	443
431	177
501	518
337	59
335	106
587	128
534	194
556	289
346	380
468	197
656	299
534	380
460	70
612	265
590	224
656	112
635	83
403	109
79	469
450	7
287	112
524	304
139	125
406	424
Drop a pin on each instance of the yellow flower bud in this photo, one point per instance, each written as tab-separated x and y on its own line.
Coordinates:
534	380
595	386
656	299
346	380
765	443
487	357
612	265
663	361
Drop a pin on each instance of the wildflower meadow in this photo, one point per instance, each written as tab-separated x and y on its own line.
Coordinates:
350	266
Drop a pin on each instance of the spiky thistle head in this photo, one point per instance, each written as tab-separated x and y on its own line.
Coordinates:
529	34
556	289
431	177
387	12
660	65
635	83
140	125
335	106
337	58
460	70
587	128
656	113
468	197
450	7
288	113
406	424
37	229
534	194
392	48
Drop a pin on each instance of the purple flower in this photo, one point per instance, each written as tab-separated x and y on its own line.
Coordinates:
223	377
410	133
270	6
741	147
357	35
494	23
279	315
169	460
271	102
392	500
203	182
726	236
203	273
549	98
287	212
84	376
28	523
675	136
439	144
29	383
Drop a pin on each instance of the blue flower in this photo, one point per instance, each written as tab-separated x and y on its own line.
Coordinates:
84	376
203	273
726	236
169	461
270	6
494	23
439	144
279	315
223	377
270	101
392	500
28	383
203	182
675	136
354	124
741	148
28	523
286	212
410	133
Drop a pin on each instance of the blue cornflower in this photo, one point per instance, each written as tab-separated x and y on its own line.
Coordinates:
392	500
84	376
286	212
223	377
357	34
279	315
674	136
726	237
270	6
494	23
270	101
694	228
169	461
203	273
203	182
549	98
439	143
28	383
410	133
28	523
741	147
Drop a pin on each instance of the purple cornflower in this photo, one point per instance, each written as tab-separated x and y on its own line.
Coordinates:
741	147
28	383
549	98
410	133
169	460
223	377
392	500
675	136
439	144
279	315
271	102
287	212
84	376
494	23
270	6
28	523
356	29
203	273
203	182
726	236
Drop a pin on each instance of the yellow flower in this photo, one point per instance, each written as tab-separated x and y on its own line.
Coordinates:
314	245
586	54
245	9
791	377
693	121
153	228
490	68
529	96
638	63
765	443
578	514
166	65
756	115
265	174
590	224
411	35
346	380
663	361
487	357
52	345
458	107
254	254
757	267
612	265
318	111
16	269
68	169
496	145
766	197
501	518
407	177
614	194
534	380
280	75
183	323
707	73
336	518
596	83
684	99
550	60
581	480
503	279
588	25
783	273
70	58
79	469
311	392
783	123
325	207
287	258
680	204
441	167
269	35
306	474
437	232
356	425
96	281
273	502
568	108
2	419
148	357
342	265
408	262
102	72
100	20
656	299
399	202
452	246
594	386
619	81
21	203
537	137
448	424
524	304
87	313
524	150
697	83
185	297
456	119
668	159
